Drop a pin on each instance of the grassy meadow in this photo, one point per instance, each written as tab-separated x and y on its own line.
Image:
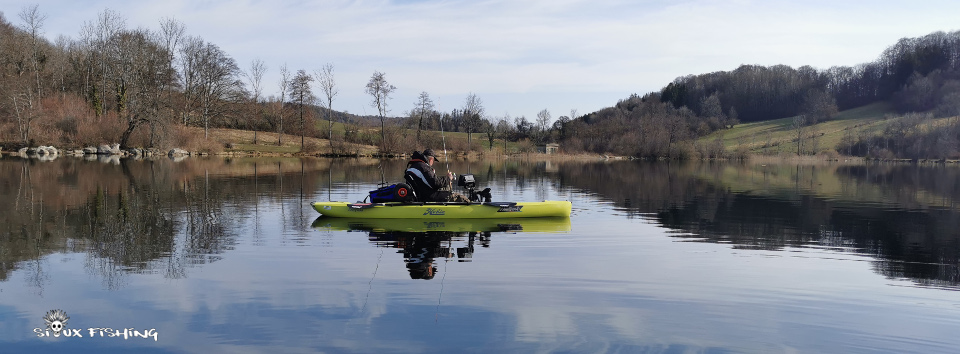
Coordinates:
779	136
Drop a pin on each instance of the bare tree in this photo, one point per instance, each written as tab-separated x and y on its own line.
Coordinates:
255	76
141	75
33	25
329	88
18	87
300	90
379	89
422	108
799	125
472	114
503	129
490	129
189	65
169	37
217	82
284	84
84	58
61	61
109	24
543	121
25	95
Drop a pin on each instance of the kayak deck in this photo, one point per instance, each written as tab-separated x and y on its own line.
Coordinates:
444	210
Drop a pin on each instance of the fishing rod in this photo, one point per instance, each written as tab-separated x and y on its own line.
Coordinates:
443	138
436	315
383	179
370	283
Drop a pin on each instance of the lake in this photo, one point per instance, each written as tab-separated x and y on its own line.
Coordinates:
226	255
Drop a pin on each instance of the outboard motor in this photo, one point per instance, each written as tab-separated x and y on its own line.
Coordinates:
468	182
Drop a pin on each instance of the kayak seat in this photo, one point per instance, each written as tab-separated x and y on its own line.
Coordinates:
409	179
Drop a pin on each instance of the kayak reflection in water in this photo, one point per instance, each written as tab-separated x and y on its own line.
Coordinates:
421	249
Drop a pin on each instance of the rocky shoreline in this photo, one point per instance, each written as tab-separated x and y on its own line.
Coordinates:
105	152
113	153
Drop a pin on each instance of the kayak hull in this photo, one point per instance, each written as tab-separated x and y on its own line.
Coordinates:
550	208
544	224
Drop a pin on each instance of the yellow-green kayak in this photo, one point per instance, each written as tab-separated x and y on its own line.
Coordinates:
544	224
444	210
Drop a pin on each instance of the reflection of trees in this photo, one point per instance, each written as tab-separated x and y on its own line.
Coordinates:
139	216
421	249
123	232
905	216
160	216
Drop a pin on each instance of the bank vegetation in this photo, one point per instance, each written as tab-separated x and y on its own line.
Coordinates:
162	87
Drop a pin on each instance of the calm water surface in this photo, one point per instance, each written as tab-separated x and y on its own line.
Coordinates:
227	256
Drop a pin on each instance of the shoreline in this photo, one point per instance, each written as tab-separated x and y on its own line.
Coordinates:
475	156
238	143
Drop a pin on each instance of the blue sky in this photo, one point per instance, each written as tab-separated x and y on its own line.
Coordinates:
521	57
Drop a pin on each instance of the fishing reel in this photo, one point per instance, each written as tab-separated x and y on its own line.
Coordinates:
468	182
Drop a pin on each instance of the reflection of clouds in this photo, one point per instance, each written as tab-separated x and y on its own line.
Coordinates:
539	324
629	290
272	298
610	285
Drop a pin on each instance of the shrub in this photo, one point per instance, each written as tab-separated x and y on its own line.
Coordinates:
526	146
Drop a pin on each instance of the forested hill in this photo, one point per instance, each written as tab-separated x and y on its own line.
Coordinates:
915	74
910	68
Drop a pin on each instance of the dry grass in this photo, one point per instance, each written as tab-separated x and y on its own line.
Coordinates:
233	140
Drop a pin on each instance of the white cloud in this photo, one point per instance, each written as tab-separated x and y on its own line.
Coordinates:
603	50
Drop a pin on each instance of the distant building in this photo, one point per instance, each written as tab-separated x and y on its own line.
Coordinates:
548	149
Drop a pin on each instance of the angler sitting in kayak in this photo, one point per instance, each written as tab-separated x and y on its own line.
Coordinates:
426	185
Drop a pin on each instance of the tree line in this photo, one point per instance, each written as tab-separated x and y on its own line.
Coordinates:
913	73
918	75
141	87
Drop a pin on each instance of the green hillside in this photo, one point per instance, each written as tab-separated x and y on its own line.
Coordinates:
780	136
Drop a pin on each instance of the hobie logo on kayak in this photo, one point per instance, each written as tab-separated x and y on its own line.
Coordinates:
510	209
434	211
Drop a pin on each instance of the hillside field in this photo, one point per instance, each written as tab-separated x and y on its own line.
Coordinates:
779	136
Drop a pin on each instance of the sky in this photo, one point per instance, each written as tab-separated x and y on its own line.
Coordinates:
519	57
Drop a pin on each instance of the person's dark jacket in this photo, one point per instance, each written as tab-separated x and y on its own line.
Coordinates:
423	178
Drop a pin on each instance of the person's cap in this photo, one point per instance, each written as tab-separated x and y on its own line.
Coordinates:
429	152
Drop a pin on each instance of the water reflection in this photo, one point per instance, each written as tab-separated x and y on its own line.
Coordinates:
905	216
421	249
165	217
222	253
153	216
423	241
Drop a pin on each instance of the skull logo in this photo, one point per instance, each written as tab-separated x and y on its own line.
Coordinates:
56	320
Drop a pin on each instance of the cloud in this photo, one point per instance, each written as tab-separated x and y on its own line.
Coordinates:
498	47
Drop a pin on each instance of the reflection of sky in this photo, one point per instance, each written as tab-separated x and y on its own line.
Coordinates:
611	284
